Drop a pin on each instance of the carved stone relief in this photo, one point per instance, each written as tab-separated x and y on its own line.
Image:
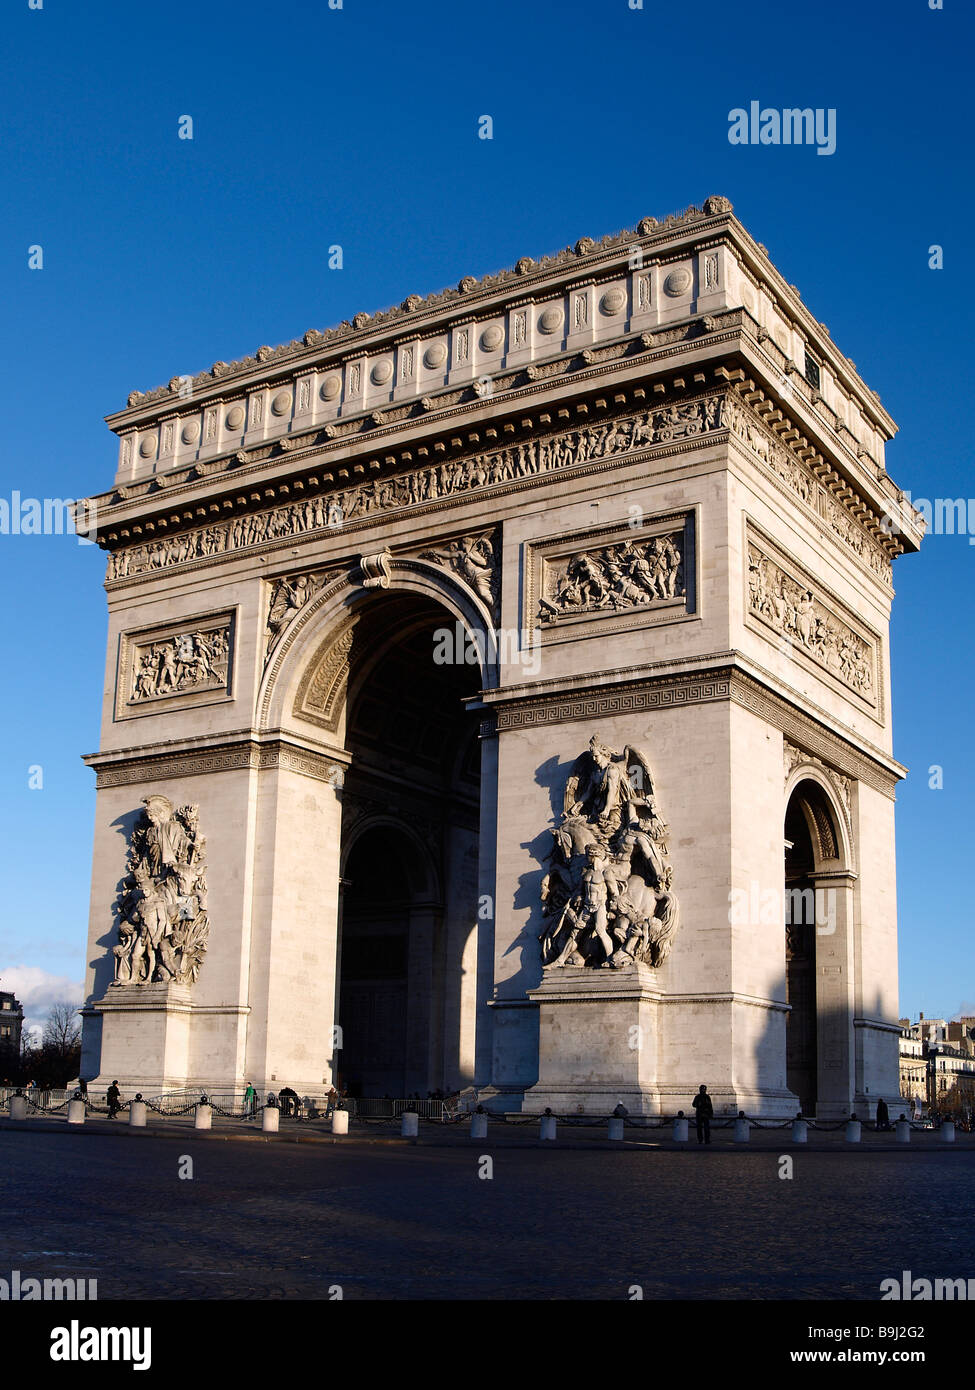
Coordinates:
800	479
175	662
795	611
631	574
607	897
161	911
476	560
289	594
599	440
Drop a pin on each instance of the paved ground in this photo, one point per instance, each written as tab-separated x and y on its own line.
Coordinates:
384	1219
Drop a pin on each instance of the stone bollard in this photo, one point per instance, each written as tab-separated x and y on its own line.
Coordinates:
270	1119
853	1130
76	1112
742	1129
340	1121
18	1107
948	1132
800	1130
411	1125
203	1119
137	1112
680	1128
479	1124
547	1128
902	1130
615	1127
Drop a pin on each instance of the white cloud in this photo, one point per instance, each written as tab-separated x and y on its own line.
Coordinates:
38	989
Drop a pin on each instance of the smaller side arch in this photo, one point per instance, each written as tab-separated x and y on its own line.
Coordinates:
828	818
423	875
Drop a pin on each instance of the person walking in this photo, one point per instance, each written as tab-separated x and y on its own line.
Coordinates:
883	1114
113	1095
703	1110
249	1098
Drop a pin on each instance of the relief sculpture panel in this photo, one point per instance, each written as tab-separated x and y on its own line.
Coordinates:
175	666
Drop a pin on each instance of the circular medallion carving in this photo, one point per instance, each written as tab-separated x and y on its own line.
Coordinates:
435	355
281	403
382	371
191	432
492	337
235	417
678	282
331	387
612	302
148	446
551	320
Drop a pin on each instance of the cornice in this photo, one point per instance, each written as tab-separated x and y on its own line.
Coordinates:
452	409
709	226
238	751
417	311
721	676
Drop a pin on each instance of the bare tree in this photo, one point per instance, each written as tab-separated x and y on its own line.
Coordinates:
62	1031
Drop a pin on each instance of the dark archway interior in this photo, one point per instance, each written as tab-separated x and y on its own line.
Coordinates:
374	965
800	955
410	881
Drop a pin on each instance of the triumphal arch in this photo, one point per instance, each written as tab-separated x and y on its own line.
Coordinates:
498	693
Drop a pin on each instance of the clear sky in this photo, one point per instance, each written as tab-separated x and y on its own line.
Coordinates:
359	126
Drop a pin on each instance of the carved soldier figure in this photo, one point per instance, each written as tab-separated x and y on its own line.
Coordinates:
591	908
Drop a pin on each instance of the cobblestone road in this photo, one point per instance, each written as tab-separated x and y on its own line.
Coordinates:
389	1220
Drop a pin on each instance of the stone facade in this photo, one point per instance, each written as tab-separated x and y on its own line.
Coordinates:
374	594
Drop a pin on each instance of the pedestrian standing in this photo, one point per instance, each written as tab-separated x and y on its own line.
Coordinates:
883	1114
113	1095
249	1097
703	1110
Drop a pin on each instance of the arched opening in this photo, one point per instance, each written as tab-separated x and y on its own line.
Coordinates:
407	969
812	857
374	959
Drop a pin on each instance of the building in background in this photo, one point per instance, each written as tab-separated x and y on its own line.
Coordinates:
11	1028
937	1063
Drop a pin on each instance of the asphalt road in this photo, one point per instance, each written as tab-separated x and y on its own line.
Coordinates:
274	1221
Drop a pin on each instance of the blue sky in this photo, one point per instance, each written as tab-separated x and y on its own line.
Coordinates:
358	126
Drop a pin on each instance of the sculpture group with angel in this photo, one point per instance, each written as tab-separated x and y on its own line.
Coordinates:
607	897
162	908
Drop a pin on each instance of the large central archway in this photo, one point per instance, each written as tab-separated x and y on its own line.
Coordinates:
406	999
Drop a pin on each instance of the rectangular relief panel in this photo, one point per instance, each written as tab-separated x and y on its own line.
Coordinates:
612	578
173	666
799	615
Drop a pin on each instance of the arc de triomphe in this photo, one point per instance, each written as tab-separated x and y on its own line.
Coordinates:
478	674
